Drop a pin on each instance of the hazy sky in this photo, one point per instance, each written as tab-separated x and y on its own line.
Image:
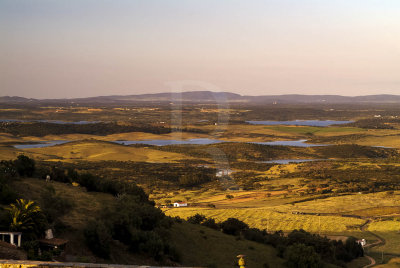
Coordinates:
79	48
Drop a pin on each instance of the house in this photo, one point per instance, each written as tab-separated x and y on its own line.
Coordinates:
52	243
180	204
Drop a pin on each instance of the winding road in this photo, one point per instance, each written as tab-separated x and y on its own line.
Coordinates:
381	241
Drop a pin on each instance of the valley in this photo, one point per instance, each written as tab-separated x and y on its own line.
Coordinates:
338	180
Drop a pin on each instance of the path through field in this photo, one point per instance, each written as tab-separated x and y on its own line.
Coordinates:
381	241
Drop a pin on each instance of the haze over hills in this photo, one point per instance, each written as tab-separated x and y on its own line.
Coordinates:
213	97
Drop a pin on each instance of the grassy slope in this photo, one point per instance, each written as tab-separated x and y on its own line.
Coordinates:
206	247
217	249
260	217
99	150
393	263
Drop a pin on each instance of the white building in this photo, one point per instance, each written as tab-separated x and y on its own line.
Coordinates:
223	172
180	204
362	242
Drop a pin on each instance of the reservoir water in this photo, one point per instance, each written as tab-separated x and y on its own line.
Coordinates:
170	142
205	141
40	144
313	123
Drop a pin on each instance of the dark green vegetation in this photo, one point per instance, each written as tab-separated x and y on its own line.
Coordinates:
126	229
40	129
133	220
256	152
149	174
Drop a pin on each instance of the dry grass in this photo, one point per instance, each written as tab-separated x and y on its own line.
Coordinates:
350	204
261	217
200	246
98	151
393	263
8	153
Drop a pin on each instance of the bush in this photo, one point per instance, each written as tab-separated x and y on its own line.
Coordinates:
196	219
98	238
54	206
7	169
152	244
302	256
24	165
7	194
210	223
233	226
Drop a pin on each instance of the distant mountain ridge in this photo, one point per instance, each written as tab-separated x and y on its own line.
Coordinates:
213	97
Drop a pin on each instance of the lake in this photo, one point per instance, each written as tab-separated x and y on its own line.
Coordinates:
313	123
205	141
40	144
170	142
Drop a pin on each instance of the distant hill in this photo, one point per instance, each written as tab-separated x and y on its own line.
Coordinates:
213	97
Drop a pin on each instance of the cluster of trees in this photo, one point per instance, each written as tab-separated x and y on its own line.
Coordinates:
329	178
375	123
133	221
355	151
92	182
194	179
138	225
40	129
236	151
151	174
299	248
22	166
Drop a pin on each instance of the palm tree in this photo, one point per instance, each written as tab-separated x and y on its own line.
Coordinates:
25	215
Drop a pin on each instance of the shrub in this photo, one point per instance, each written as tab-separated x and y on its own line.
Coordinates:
196	219
210	223
300	255
233	226
7	194
54	205
24	165
98	238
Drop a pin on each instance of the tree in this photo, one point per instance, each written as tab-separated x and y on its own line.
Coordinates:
26	216
233	226
98	238
302	256
25	166
196	219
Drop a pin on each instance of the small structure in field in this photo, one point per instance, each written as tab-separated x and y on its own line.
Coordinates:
180	204
362	242
223	172
52	243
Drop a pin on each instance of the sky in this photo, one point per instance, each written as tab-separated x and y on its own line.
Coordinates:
82	48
